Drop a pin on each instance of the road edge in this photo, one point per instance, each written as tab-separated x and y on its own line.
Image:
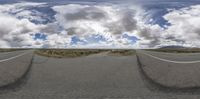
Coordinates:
160	85
18	81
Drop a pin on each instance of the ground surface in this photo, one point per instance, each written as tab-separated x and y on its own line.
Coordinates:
5	55
171	70
93	77
175	56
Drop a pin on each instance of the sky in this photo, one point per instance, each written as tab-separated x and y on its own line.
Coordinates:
99	23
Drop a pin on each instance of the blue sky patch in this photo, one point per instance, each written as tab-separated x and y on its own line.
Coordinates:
40	36
133	39
159	9
95	38
75	40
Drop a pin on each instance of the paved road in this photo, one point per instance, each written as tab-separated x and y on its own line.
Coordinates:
173	56
14	66
92	77
169	72
5	55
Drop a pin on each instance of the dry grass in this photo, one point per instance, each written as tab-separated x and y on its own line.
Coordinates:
67	53
71	53
122	52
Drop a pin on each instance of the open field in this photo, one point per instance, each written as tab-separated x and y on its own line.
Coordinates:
61	53
120	52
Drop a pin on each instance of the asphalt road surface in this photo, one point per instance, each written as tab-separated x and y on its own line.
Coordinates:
14	67
175	57
168	72
5	55
92	77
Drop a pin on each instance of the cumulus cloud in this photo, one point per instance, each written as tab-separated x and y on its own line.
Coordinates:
184	27
15	32
97	26
111	21
108	21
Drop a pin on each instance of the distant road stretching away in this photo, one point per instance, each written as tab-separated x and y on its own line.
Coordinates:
95	77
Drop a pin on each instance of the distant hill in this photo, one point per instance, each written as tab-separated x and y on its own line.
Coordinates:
177	49
173	47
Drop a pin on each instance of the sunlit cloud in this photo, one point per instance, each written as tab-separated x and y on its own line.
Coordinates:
103	25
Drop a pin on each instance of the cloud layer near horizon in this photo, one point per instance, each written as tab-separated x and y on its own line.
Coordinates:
105	26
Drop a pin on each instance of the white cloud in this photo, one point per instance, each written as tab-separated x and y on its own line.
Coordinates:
183	31
57	41
184	27
16	32
109	21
